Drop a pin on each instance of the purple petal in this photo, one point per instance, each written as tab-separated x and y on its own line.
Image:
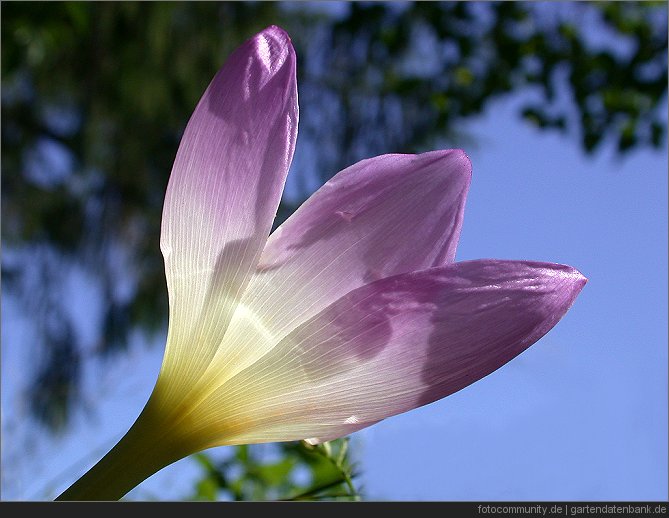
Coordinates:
224	191
396	344
380	217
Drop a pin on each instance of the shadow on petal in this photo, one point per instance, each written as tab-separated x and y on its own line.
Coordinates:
494	312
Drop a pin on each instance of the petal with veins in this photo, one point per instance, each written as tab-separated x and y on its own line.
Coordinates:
223	194
391	346
383	216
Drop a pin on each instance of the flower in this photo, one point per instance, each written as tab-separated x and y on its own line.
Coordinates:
352	311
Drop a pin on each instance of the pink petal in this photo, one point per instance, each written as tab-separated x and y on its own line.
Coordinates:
396	344
224	191
380	217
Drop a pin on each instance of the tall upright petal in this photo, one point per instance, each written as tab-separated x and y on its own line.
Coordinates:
383	216
221	200
223	194
388	347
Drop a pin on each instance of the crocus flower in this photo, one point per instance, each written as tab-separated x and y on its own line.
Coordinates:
352	311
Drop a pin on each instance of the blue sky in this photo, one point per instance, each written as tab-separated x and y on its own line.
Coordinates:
581	415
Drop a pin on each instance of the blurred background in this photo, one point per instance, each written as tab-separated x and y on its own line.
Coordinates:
562	107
